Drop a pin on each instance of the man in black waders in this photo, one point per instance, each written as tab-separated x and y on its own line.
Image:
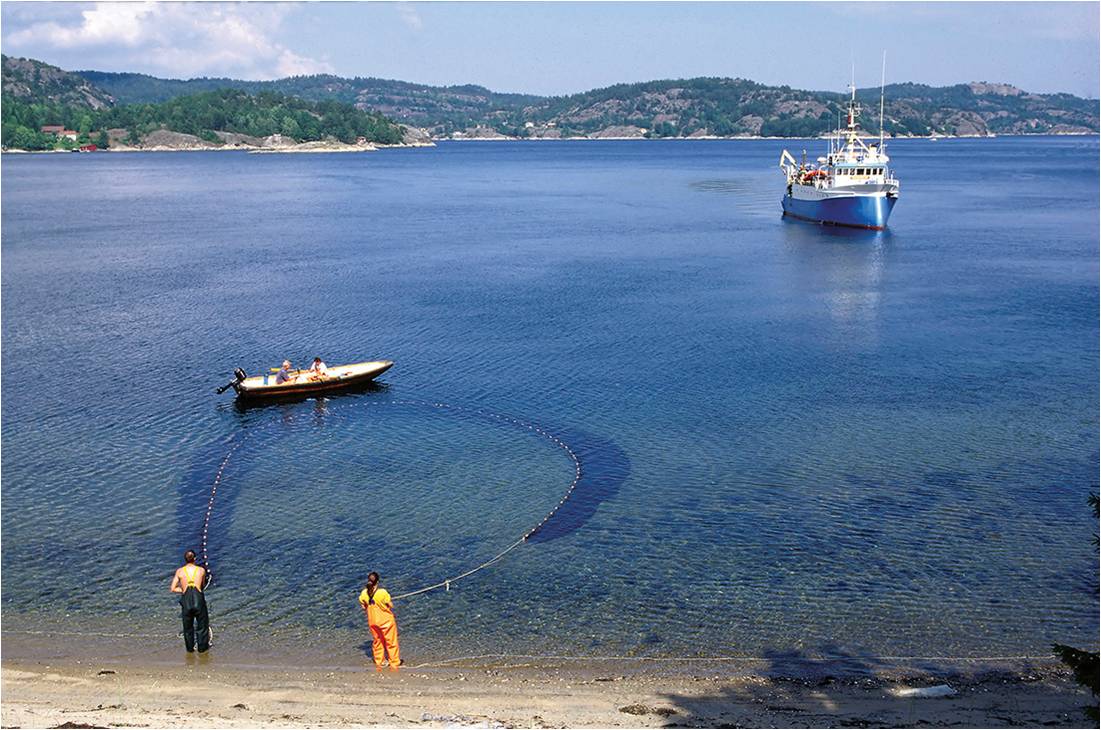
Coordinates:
190	580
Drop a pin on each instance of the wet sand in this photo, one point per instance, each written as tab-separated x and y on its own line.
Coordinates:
210	691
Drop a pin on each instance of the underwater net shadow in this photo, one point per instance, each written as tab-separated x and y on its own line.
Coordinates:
586	490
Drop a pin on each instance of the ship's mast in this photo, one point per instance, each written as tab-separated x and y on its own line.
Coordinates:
852	104
882	86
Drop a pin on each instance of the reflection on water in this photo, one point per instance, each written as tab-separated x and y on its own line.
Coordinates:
321	403
844	268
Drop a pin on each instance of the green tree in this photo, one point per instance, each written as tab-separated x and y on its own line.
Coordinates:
289	127
24	138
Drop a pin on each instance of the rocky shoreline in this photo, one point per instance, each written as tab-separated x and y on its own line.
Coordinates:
165	141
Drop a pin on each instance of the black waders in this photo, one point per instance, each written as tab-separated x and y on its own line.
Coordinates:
196	621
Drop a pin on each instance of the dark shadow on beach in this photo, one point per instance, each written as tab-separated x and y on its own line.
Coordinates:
832	687
604	468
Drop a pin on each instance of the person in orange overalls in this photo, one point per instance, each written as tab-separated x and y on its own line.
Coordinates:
379	610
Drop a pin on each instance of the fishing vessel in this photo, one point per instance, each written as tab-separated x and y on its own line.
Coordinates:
305	383
851	186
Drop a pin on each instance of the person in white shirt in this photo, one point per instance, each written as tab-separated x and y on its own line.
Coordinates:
317	369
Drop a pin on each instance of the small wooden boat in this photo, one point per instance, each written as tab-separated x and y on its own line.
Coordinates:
304	382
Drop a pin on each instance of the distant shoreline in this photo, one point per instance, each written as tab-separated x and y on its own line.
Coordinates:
305	148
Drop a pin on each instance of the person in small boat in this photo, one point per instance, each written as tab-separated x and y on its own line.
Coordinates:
379	610
284	374
317	369
188	581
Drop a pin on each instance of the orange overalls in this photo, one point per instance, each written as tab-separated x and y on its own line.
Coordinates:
384	629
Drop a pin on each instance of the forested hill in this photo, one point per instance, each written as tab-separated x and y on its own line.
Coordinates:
37	95
444	109
313	107
691	107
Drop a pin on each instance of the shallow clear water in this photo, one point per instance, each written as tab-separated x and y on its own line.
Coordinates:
793	438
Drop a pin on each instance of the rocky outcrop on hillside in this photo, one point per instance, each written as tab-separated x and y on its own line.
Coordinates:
620	132
164	140
479	132
233	140
35	82
416	137
982	87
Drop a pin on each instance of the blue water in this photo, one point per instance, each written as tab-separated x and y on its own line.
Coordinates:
793	438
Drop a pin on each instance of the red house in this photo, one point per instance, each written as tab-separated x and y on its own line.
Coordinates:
88	148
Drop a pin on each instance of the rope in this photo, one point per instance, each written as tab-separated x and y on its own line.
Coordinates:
445	583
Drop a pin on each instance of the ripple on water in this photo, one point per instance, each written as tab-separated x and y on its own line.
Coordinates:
798	439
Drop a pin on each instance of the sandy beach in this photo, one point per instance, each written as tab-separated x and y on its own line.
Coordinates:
89	692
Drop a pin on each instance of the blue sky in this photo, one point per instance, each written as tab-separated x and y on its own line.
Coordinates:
558	48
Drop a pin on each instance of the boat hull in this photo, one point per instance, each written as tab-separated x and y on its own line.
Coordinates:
337	378
856	211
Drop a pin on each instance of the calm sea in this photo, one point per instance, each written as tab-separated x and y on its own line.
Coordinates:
795	440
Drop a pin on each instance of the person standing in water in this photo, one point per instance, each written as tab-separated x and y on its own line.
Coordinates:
379	610
188	580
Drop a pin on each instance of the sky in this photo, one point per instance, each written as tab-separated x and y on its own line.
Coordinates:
552	48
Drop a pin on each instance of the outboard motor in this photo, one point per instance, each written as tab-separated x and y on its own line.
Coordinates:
238	375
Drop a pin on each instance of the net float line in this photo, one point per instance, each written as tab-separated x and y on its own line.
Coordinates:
481	412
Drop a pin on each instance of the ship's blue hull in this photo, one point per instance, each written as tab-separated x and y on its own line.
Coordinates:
859	211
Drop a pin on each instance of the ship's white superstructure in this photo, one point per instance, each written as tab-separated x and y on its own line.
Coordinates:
851	186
